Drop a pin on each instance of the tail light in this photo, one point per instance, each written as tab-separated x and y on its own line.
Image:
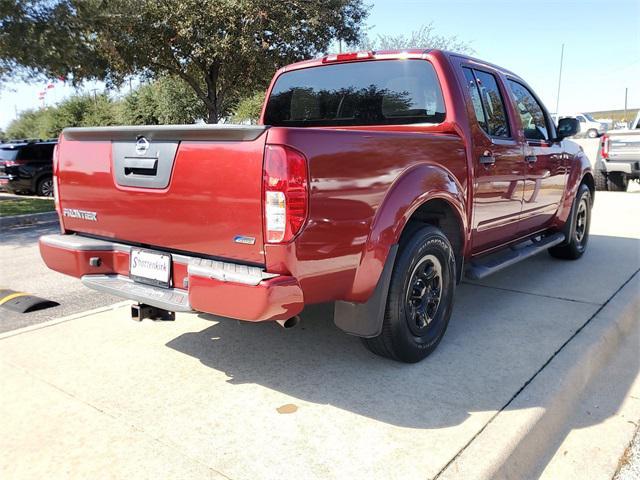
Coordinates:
286	193
604	147
56	187
15	163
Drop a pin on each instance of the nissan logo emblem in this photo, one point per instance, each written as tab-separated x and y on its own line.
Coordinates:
142	145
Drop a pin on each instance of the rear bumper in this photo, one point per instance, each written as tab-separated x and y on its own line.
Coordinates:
624	166
220	288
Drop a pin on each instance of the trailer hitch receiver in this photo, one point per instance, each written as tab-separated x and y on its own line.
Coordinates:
140	311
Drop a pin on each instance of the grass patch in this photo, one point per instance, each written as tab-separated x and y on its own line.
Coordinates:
23	206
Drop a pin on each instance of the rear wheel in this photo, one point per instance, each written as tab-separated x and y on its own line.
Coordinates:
45	187
580	232
600	180
618	182
420	298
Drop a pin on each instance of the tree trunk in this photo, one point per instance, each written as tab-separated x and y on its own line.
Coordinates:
212	114
212	94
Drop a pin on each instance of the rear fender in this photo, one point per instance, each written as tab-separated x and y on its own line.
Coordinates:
363	315
417	185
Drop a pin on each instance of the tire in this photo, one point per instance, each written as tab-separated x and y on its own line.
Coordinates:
618	182
601	181
45	187
581	216
592	133
420	298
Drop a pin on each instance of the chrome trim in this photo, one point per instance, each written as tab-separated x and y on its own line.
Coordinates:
202	267
166	298
228	272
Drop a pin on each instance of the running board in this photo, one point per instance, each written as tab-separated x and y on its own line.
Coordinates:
481	268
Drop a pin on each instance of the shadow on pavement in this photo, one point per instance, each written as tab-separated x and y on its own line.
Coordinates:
496	342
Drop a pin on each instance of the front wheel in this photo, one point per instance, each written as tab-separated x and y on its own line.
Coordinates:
420	298
580	230
592	133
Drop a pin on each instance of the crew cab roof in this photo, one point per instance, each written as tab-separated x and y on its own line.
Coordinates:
393	54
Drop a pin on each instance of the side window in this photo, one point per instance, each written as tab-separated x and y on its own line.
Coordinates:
475	97
581	119
531	113
490	100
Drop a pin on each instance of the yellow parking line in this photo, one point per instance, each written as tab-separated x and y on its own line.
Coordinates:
12	296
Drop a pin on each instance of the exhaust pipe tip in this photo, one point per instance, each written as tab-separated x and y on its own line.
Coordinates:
289	322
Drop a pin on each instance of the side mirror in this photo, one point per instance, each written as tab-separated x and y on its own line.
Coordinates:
567	127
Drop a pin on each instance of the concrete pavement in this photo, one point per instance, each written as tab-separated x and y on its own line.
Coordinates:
101	396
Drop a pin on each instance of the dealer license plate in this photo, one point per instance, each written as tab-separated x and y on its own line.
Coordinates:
149	267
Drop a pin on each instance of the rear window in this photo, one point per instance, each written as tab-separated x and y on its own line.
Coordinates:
383	92
7	154
38	152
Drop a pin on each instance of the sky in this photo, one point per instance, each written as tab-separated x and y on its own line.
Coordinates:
601	47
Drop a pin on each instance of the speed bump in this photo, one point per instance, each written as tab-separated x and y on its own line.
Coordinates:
23	302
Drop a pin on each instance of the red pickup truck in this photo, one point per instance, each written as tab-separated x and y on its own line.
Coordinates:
375	181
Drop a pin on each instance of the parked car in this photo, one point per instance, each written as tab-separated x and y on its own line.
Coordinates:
589	126
374	181
619	158
27	166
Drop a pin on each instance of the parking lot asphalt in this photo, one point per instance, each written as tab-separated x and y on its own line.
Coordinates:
101	396
22	269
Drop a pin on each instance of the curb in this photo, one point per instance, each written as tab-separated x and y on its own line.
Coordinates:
533	423
28	219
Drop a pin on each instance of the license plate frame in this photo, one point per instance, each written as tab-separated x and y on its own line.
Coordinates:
145	272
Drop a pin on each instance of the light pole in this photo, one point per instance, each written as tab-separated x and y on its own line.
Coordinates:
559	80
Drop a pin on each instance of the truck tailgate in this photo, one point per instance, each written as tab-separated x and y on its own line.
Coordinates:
193	189
624	145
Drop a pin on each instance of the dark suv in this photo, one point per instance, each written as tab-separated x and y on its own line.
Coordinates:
27	167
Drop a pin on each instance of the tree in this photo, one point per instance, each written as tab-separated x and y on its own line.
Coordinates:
43	38
77	111
167	100
223	49
424	37
248	109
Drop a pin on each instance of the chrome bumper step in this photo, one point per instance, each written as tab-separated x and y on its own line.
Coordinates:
166	298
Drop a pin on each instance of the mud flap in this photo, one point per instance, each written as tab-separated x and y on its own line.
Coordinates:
23	302
365	319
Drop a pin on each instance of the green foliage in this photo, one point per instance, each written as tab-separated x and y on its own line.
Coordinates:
167	100
161	102
248	109
223	49
425	37
77	111
48	38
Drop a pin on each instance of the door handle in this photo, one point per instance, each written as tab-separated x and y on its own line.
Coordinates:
487	160
140	166
531	159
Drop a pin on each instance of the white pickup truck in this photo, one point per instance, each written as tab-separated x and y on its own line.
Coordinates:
589	126
619	158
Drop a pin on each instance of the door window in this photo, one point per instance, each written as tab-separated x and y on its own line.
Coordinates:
487	102
531	113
